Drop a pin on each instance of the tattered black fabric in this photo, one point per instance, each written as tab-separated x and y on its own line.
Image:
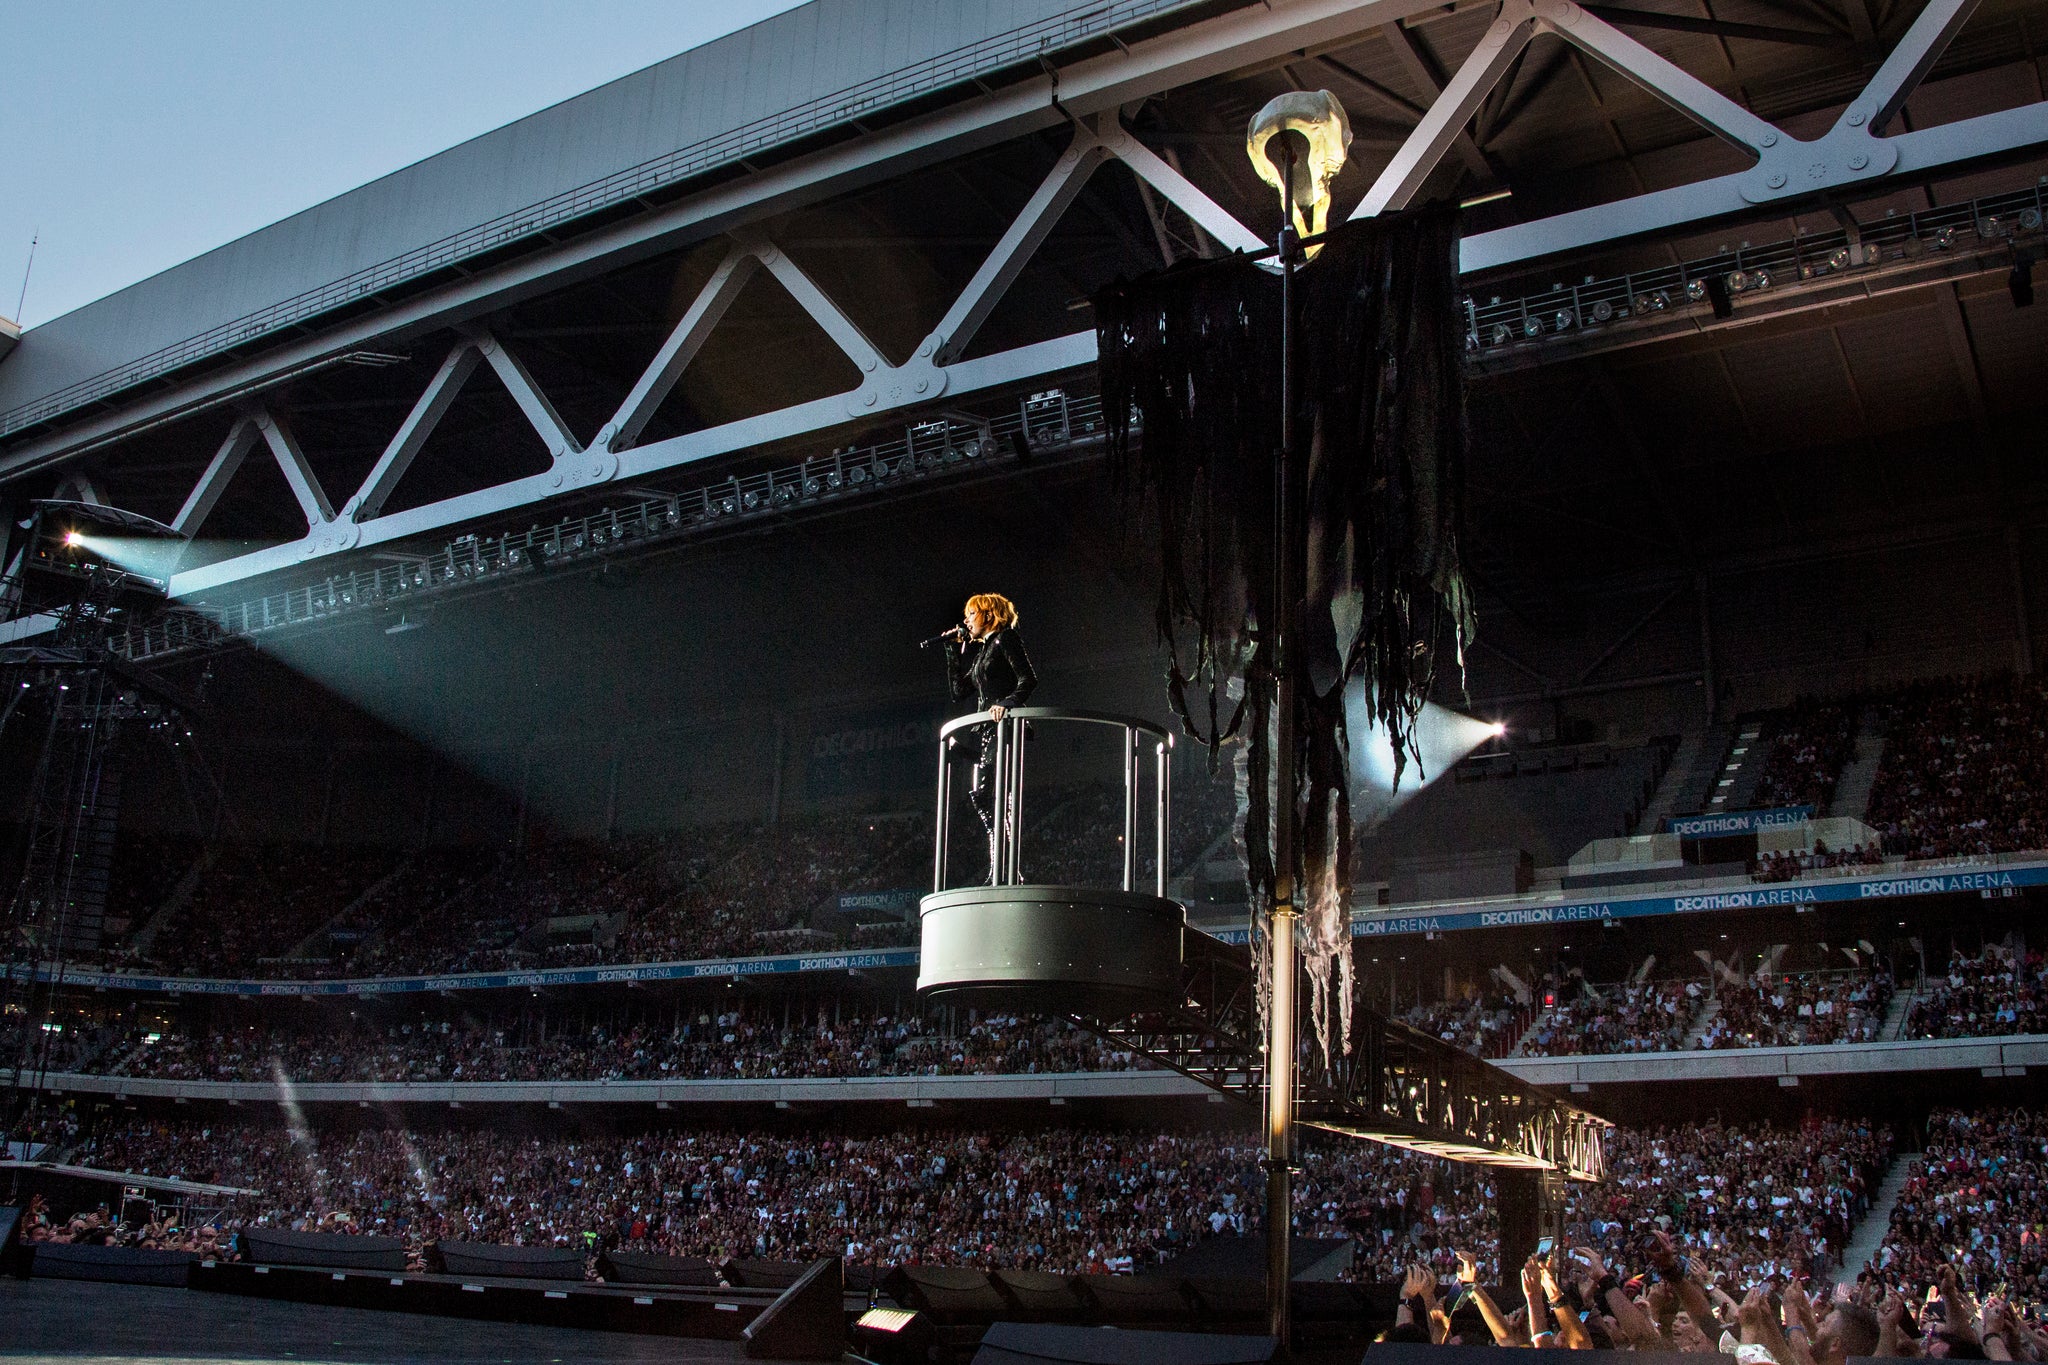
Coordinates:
1193	355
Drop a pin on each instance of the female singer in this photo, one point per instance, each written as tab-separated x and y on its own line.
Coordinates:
991	665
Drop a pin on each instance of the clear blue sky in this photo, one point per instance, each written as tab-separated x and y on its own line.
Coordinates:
135	134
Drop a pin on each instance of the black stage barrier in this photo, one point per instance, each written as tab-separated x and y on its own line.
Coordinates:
710	1314
756	1274
512	1263
645	1267
13	1256
321	1250
1037	1343
112	1265
808	1322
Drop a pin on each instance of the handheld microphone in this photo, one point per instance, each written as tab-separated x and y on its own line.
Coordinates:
942	637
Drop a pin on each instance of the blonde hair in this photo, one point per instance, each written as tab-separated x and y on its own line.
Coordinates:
998	608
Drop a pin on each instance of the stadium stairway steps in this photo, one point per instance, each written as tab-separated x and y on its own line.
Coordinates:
1741	767
1893	1026
1869	1234
1708	1015
1852	792
181	895
315	944
1681	779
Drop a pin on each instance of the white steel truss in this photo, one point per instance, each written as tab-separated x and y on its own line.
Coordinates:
1852	157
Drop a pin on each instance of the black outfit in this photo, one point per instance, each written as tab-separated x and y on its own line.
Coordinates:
996	671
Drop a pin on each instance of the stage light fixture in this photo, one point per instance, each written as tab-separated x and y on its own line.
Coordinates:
1603	311
1531	328
1563	319
2030	220
1501	333
1695	290
72	538
1838	259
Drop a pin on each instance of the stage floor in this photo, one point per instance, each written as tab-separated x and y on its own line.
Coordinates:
81	1323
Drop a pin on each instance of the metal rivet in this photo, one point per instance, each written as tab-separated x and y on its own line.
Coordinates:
1855	118
921	386
1777	180
867	400
1858	162
1769	140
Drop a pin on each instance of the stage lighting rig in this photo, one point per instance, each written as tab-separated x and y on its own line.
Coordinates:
70	566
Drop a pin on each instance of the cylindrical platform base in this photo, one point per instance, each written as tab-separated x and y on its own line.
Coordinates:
1051	948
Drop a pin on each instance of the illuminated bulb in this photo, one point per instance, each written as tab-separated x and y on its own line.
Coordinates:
73	538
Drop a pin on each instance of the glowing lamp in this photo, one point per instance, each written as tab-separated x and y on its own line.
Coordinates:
1297	143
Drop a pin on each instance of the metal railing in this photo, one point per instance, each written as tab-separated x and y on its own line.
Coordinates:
1004	754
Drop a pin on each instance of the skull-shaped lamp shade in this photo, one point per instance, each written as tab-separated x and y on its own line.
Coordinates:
1304	131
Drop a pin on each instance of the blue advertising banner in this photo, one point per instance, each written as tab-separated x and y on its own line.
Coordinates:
490	981
858	903
1736	822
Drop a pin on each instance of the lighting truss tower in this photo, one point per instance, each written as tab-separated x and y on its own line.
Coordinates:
78	698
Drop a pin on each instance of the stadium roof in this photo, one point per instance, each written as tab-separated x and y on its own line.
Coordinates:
753	95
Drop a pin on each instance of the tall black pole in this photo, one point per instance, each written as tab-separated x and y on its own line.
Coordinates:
1280	1032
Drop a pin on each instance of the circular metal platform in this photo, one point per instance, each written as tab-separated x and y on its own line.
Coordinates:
1055	948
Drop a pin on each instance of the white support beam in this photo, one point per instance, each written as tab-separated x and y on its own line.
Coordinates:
704	314
1005	369
1669	82
554	433
213	482
1180	191
412	434
845	333
1026	233
1408	53
80	485
1446	118
284	446
1908	64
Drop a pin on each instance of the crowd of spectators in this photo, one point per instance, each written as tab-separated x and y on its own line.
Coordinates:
1071	1200
1965	768
1800	1009
1975	1204
1484	1023
260	901
1998	992
1791	866
1742	1201
304	910
1813	741
1747	1200
734	1044
1592	1020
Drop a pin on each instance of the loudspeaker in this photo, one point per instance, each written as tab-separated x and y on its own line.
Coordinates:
807	1323
1131	1299
1037	1343
948	1294
1044	1297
